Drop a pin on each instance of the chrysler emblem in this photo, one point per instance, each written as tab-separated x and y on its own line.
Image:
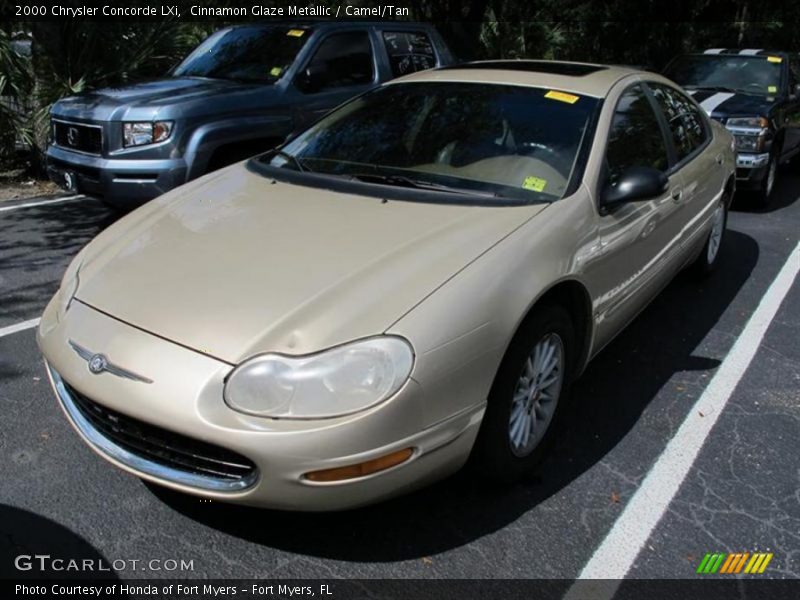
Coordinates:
72	136
98	363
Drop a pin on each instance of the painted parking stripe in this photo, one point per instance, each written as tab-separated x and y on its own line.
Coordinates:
614	557
43	202
4	331
712	102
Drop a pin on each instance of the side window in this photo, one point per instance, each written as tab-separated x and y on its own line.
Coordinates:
635	139
685	121
343	59
794	73
409	52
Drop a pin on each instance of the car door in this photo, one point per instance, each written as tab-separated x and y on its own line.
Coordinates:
700	163
341	67
791	111
638	239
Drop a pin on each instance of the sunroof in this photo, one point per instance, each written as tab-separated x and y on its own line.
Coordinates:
534	66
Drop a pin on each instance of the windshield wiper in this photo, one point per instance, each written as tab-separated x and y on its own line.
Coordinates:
292	159
712	88
408	182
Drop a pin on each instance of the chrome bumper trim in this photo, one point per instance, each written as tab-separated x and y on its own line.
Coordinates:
752	161
142	465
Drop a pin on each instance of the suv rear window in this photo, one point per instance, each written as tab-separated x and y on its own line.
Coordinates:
409	52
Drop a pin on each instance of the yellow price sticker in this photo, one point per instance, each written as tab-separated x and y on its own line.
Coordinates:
276	71
772	89
296	32
537	184
774	59
562	97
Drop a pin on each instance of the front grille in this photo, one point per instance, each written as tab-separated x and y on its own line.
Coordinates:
171	450
76	136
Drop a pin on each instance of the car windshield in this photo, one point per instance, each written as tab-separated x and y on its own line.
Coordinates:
494	140
734	73
258	54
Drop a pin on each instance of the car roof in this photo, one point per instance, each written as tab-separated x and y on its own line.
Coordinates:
586	79
744	52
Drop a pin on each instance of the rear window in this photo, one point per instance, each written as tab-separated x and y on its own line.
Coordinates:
409	52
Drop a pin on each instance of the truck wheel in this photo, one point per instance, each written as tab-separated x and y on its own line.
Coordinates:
764	191
529	389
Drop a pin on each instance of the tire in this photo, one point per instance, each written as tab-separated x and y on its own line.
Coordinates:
706	262
767	186
502	453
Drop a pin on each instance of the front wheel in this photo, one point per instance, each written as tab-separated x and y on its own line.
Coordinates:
764	192
528	391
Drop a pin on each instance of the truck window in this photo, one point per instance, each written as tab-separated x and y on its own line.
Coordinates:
408	52
344	59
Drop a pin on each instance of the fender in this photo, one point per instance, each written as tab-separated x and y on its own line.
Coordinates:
208	137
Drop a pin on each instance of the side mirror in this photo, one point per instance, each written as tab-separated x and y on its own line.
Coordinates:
636	183
312	78
794	92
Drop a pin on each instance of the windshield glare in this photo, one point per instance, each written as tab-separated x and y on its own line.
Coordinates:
252	54
745	74
509	141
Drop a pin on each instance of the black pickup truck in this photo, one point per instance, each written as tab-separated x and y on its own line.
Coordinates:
241	91
756	94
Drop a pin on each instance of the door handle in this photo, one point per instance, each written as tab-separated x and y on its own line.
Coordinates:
677	195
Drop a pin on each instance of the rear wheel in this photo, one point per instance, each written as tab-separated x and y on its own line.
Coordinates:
526	396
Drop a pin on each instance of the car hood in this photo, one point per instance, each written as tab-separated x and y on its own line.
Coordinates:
162	98
721	105
235	264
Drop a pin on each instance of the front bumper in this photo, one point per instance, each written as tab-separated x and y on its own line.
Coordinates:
185	397
124	182
751	169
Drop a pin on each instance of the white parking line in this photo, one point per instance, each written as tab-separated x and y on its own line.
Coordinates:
43	202
4	331
614	557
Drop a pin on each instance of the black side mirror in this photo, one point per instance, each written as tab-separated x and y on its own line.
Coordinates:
794	92
636	183
312	78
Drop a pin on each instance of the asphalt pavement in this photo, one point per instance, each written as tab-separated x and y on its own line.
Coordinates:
742	493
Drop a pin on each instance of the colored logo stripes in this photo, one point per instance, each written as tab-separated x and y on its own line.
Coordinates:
722	562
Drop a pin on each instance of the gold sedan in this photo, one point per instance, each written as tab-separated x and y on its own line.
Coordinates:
412	282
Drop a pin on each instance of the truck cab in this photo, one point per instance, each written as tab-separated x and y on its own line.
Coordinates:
755	93
242	91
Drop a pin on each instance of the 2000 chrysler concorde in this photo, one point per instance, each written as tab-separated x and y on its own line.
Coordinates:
412	282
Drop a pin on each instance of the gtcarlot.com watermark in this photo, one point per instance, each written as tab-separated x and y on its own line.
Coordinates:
45	563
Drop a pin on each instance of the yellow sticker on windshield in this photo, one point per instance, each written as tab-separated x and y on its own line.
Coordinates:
772	89
775	59
537	184
562	97
275	71
296	32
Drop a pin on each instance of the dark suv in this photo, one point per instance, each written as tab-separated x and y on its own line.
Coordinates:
242	91
756	95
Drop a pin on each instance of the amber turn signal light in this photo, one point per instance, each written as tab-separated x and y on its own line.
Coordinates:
361	469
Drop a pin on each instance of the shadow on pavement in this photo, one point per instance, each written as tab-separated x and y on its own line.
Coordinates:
607	402
25	535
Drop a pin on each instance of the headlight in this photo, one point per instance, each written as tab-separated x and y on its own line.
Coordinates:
754	122
139	134
332	383
750	133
